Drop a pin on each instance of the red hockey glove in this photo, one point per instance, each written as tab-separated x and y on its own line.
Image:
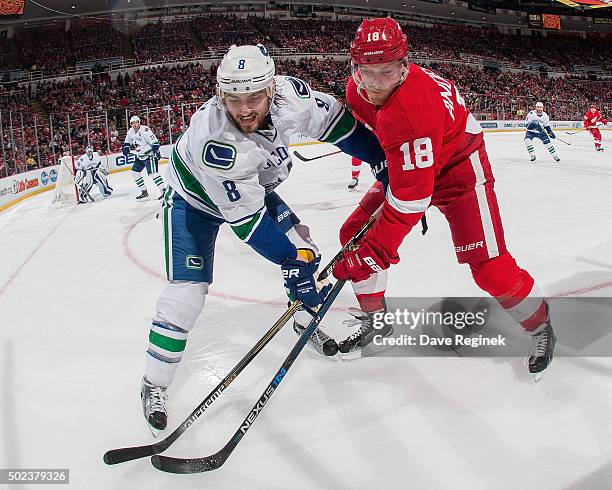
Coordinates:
359	264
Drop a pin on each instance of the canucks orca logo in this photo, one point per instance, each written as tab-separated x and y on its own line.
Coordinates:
263	49
219	155
194	262
53	175
300	87
44	178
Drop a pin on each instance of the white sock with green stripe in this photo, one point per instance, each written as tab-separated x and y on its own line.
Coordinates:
139	181
551	149
181	303
166	346
159	181
530	148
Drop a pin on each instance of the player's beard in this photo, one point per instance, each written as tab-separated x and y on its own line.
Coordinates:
249	124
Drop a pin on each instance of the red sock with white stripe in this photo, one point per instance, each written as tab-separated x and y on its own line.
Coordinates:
355	167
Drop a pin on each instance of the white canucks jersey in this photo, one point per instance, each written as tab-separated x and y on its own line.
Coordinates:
86	163
219	169
143	141
533	117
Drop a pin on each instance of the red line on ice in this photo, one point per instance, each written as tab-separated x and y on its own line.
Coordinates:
247	299
216	294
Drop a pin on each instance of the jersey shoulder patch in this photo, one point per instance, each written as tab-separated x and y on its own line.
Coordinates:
300	86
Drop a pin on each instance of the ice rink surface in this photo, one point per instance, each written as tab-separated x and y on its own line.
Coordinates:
78	287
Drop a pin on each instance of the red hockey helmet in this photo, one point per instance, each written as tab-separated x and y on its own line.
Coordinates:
378	41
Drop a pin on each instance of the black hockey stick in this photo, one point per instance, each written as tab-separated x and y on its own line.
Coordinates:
214	461
120	455
305	159
115	456
576	132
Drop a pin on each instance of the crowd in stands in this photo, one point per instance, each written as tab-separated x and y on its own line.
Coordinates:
163	42
37	131
54	49
218	32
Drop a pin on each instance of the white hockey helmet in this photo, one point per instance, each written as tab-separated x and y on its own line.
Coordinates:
539	106
134	119
245	69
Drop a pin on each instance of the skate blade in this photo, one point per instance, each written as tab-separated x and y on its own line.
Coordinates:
154	431
350	356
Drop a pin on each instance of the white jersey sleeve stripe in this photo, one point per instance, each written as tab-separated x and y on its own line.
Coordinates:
407	207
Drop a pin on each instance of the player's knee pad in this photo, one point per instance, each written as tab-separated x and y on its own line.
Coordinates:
181	303
498	276
528	141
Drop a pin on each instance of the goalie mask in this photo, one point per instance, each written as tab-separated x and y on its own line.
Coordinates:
90	151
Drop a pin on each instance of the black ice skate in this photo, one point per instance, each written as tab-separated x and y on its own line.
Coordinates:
557	159
533	158
543	347
143	195
353	184
351	346
319	340
153	399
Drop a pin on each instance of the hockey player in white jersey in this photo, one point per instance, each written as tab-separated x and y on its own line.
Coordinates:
147	156
538	127
89	171
224	169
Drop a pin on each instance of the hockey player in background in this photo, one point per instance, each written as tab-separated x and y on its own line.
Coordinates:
224	169
89	171
538	127
436	156
592	121
147	156
355	171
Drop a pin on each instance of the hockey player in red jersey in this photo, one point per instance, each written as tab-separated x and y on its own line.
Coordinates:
436	156
592	120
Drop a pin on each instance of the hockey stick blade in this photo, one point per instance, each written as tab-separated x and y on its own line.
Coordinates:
215	461
306	159
121	455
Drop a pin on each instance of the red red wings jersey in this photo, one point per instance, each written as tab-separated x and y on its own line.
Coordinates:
592	118
423	127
